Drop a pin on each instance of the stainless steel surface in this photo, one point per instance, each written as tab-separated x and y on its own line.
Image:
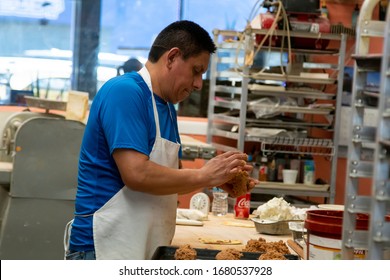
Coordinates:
271	227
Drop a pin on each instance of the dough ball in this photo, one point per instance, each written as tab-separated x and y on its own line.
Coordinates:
229	254
185	252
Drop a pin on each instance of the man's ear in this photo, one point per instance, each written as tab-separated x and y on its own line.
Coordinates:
172	55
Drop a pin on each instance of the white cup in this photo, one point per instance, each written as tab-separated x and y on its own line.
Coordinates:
290	176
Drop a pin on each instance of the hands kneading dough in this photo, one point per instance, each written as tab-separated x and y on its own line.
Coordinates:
240	184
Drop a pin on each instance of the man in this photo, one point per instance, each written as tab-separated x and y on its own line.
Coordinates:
129	168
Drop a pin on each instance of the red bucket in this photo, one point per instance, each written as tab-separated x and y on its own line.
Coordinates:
324	230
329	223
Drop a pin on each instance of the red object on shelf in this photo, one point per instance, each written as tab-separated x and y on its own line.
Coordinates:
300	22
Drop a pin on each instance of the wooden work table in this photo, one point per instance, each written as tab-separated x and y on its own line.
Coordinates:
217	228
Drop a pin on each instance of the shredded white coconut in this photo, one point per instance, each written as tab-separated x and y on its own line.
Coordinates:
277	209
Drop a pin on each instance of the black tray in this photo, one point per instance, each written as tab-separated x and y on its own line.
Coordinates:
168	252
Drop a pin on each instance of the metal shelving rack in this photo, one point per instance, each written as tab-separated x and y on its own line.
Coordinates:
376	203
239	91
379	230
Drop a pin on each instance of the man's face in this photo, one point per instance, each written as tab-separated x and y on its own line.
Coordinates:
186	76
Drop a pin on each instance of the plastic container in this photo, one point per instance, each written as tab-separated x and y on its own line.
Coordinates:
324	229
308	172
220	202
263	169
271	176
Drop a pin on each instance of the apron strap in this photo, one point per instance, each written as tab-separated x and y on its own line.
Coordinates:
68	229
146	76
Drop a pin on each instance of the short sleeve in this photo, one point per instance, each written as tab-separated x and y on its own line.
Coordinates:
124	116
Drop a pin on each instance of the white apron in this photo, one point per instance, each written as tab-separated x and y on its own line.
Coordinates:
131	225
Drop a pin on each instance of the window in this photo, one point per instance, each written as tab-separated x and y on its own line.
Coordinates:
37	35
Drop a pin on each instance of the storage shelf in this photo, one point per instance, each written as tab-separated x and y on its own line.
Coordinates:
295	109
287	124
292	93
300	34
234	33
237	74
301	145
228	89
233	86
234	45
291	189
228	119
228	104
292	78
226	134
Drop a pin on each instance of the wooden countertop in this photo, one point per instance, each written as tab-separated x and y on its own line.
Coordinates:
216	228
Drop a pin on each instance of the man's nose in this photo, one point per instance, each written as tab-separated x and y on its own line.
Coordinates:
198	82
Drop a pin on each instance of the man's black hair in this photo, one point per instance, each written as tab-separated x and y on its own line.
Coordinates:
186	35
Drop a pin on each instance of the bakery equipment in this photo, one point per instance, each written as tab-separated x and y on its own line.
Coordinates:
193	149
38	180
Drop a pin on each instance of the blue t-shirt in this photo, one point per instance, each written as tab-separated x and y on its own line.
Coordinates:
121	116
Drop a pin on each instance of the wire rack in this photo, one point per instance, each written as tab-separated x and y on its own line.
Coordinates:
311	146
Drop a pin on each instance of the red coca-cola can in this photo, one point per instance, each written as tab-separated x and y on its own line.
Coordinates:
242	206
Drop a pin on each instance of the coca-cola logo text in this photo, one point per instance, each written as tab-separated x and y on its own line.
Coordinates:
243	203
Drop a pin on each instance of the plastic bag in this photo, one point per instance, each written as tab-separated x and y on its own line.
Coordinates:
269	107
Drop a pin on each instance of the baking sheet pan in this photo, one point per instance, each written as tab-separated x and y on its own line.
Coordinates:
168	252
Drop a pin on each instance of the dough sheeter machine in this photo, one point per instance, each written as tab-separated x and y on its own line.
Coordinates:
38	179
